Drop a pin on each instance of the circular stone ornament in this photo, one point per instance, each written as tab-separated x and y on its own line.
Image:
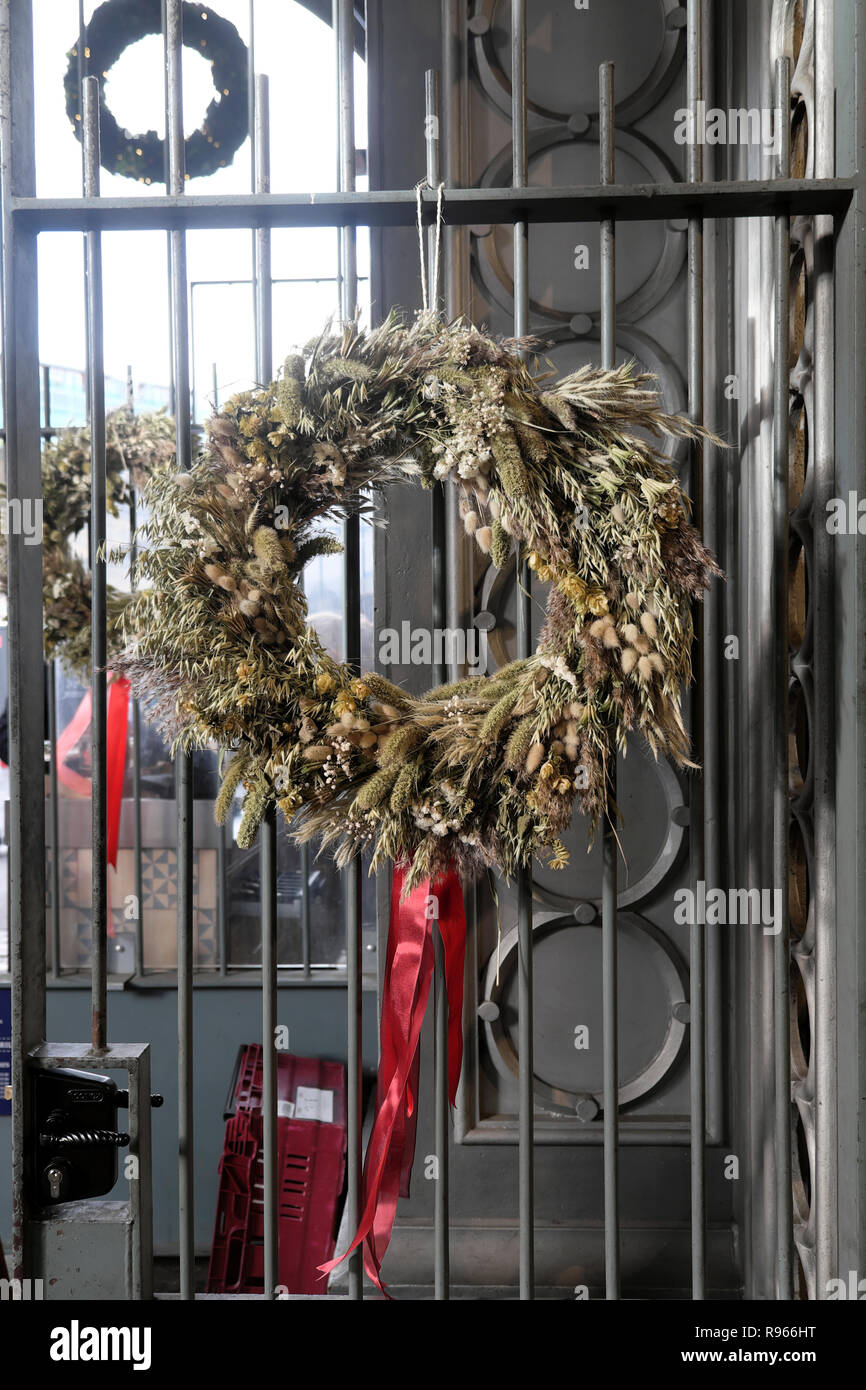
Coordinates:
119	23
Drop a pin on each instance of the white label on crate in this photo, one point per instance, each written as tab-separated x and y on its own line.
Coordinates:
285	1109
313	1104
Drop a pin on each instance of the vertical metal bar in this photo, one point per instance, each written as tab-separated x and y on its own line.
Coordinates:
441	1244
714	675
222	874
607	235
166	174
270	1151
526	1099
781	804
251	97
136	726
222	903
268	833
825	658
697	964
26	669
45	373
456	272
306	956
262	235
136	773
56	968
83	66
251	123
96	398
343	21
183	764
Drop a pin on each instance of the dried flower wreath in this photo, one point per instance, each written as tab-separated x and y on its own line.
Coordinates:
483	772
135	445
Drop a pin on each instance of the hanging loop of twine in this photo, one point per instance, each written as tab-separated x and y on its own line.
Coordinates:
429	299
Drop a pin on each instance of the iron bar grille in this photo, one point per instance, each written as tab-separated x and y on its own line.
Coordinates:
818	203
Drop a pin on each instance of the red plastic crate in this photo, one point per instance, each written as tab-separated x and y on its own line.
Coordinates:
311	1167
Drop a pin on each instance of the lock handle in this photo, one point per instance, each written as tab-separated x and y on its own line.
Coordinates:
88	1138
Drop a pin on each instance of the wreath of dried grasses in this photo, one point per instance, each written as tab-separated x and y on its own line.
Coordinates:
135	445
484	772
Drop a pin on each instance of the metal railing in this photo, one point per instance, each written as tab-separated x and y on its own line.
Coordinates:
24	217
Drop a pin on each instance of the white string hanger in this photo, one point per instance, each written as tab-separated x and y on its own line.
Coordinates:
440	194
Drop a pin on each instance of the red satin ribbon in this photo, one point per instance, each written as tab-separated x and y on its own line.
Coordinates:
117	719
116	731
408	975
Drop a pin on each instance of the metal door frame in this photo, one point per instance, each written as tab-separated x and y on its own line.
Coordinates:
24	217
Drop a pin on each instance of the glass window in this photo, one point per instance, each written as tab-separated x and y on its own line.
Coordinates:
138	367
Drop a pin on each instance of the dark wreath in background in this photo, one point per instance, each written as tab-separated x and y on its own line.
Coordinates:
119	23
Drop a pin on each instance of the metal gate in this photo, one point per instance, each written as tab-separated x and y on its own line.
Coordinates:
759	815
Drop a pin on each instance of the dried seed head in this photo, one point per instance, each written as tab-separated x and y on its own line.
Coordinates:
628	660
657	663
226	582
316	753
470	522
648	623
609	637
644	668
484	537
633	600
631	632
618	514
266	544
643	646
535	757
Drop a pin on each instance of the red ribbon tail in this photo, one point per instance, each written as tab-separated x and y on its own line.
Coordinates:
452	929
117	724
408	977
408	974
